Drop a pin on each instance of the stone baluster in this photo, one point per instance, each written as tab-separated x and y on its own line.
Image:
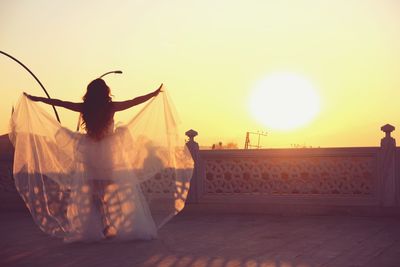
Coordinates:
193	147
387	168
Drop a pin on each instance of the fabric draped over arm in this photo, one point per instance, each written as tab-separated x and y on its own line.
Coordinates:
133	180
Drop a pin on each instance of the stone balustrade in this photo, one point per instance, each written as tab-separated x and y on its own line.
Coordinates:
367	177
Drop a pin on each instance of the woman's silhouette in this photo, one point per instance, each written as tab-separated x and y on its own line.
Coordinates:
97	112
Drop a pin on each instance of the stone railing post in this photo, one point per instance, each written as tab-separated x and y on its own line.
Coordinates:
193	147
387	169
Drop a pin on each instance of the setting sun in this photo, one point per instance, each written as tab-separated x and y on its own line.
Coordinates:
284	101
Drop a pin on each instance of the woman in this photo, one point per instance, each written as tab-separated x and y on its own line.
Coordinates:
99	184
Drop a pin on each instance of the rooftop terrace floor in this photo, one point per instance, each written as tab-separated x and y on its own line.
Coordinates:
199	239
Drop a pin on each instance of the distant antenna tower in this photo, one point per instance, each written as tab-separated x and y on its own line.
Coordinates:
248	144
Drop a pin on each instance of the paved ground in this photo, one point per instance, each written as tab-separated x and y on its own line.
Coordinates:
193	239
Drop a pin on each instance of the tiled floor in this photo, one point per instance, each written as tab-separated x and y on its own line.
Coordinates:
198	239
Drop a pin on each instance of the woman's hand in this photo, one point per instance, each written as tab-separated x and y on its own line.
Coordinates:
156	92
31	97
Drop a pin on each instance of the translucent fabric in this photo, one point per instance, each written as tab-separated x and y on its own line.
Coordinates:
124	186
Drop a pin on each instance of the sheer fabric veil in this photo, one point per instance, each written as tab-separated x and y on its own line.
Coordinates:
134	180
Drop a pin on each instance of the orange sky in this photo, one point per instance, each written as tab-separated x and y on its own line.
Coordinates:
210	55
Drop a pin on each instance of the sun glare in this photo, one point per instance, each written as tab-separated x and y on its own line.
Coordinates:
284	101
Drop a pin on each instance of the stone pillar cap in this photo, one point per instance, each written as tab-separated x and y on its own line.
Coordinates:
191	133
387	128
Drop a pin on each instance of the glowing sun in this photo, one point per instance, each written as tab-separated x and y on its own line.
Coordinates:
284	101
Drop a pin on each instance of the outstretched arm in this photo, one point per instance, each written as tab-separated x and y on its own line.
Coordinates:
119	106
56	102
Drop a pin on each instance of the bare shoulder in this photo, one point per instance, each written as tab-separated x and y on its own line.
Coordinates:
120	105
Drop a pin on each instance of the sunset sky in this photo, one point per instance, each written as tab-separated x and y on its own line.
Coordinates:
211	55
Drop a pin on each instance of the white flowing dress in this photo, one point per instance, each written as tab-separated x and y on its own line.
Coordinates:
132	181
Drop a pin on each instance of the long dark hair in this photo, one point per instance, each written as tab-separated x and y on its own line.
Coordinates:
97	112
